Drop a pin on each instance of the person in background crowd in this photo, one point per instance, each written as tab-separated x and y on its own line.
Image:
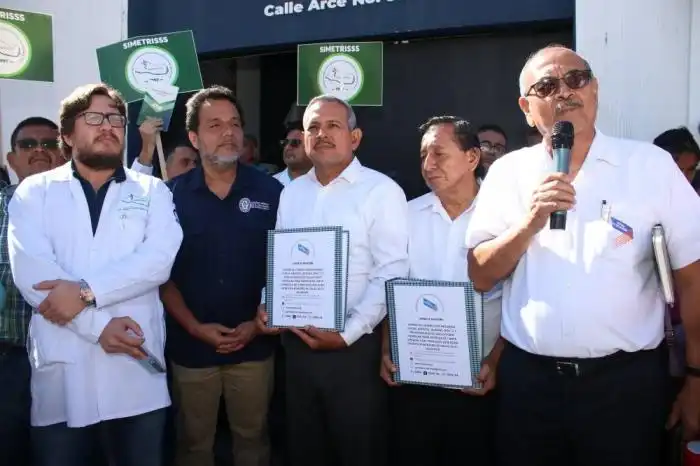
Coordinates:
4	175
336	404
533	136
34	149
90	243
583	375
437	224
250	154
294	155
494	144
681	144
226	208
179	158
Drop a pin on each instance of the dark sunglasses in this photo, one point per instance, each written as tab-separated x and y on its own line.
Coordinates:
116	120
574	79
31	143
291	142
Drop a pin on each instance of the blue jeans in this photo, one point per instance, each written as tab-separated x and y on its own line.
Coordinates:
131	441
15	403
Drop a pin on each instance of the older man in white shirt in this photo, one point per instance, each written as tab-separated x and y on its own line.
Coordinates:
336	410
451	166
90	242
583	375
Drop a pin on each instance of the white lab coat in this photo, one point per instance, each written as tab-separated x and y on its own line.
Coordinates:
50	237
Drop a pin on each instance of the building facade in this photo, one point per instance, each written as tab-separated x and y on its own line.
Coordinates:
441	56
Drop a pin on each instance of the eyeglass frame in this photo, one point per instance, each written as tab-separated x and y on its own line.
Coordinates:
103	116
586	71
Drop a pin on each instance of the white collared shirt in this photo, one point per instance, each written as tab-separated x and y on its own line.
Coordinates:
130	255
436	251
283	177
583	292
141	168
374	210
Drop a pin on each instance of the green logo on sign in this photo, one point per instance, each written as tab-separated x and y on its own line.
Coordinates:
147	66
15	50
340	75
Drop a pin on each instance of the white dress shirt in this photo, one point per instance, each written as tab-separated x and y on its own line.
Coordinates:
436	251
50	237
583	292
373	208
283	177
141	168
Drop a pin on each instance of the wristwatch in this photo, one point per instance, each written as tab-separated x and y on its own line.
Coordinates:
86	294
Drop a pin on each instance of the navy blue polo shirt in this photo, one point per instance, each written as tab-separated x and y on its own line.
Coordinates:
220	269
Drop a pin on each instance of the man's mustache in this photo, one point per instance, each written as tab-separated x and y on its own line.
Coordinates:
323	143
566	105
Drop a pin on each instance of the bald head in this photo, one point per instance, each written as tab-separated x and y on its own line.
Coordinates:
557	84
541	56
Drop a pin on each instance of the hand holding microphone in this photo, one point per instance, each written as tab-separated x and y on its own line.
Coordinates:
556	194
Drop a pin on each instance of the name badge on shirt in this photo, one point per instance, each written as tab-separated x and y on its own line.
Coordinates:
626	232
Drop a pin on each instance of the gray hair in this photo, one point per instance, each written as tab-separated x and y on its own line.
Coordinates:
352	119
523	73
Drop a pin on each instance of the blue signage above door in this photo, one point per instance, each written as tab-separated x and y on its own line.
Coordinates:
223	25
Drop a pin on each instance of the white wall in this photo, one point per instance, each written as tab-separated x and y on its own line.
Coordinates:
641	53
79	27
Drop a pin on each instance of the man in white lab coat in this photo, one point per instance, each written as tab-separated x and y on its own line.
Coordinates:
90	242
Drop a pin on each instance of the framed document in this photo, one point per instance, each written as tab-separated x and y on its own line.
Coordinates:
436	330
307	277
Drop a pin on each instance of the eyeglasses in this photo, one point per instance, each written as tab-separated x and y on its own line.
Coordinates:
117	120
290	142
493	147
550	85
31	143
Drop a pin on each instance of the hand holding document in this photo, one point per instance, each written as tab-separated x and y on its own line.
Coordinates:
436	331
307	278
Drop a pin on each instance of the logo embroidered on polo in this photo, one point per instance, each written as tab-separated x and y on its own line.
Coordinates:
245	205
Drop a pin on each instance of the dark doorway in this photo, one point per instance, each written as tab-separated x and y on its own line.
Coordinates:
278	93
475	77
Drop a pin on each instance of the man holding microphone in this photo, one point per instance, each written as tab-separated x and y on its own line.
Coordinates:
583	373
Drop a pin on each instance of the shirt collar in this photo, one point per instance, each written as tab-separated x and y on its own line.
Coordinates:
436	206
118	176
351	173
243	177
602	149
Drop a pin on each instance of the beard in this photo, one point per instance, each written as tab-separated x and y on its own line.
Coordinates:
99	160
222	160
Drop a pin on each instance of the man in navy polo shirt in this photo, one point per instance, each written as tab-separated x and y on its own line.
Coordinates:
225	210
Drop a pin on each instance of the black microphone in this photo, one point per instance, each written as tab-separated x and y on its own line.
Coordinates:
562	142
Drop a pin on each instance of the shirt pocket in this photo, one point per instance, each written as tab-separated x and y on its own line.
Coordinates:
623	239
132	224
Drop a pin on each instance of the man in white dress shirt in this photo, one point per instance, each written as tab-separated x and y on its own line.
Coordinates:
293	154
450	165
336	403
583	375
90	242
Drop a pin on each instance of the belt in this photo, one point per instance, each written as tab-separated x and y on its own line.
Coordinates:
578	367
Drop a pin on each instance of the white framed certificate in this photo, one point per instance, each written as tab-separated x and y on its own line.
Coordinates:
436	330
307	278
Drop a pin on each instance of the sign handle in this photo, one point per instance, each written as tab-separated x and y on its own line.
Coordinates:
161	157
